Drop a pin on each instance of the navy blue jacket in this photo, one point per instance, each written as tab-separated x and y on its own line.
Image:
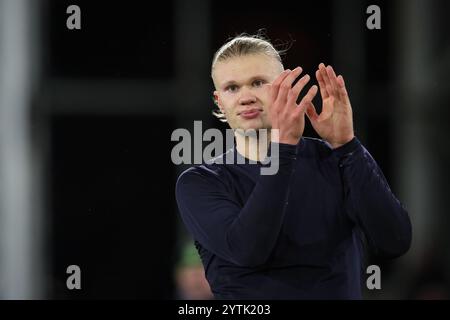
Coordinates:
295	234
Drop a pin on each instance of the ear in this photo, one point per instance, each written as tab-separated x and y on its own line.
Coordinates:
216	99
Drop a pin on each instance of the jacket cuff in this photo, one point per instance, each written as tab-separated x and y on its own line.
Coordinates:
284	150
348	148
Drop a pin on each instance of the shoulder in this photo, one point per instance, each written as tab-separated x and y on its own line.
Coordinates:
199	173
210	173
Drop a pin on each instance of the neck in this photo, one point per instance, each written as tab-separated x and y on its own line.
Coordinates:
254	145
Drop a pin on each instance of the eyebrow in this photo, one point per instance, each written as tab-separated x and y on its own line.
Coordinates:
257	77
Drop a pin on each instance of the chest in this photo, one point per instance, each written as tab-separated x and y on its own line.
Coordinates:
315	207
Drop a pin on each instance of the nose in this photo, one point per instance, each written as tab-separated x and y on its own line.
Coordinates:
246	97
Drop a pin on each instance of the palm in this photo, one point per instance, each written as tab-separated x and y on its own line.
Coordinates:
335	122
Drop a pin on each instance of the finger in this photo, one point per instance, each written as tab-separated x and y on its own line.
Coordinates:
323	90
275	86
327	111
311	112
286	85
333	79
342	90
296	89
307	99
324	74
329	81
326	79
309	96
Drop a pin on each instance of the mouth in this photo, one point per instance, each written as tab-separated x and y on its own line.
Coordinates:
251	113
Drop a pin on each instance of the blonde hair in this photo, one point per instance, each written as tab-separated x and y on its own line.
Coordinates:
241	45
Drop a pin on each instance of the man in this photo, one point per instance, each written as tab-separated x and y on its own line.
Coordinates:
295	234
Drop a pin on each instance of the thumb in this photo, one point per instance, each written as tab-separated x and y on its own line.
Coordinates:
311	112
307	99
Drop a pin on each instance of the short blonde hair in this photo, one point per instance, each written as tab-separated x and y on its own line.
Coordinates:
242	45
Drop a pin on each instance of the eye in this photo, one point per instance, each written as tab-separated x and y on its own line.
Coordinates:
231	88
258	83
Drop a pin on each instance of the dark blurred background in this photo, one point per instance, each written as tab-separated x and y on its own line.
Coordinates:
86	118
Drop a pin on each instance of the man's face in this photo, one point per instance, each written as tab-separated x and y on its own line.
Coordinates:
242	90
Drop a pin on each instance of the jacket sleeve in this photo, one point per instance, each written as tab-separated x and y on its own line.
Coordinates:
370	202
244	235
